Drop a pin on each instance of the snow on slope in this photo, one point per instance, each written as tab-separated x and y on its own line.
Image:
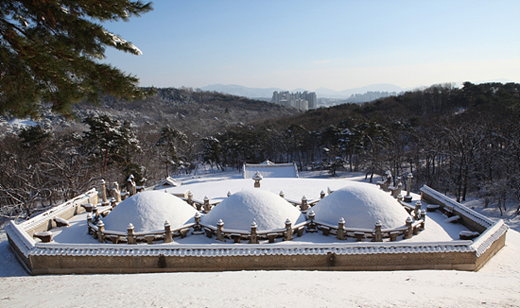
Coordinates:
495	285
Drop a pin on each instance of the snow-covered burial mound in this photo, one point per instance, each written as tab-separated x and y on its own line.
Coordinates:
361	205
148	211
268	210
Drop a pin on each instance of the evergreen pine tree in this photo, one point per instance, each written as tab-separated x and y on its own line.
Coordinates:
50	51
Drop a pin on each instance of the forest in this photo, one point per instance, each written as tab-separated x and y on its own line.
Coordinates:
460	141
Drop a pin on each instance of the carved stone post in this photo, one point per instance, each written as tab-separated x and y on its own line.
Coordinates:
228	193
207	207
311	226
167	233
95	211
282	194
423	216
409	178
399	198
197	228
89	221
408	232
417	210
304	206
378	237
190	198
257	177
322	194
254	236
130	234
101	230
341	232
220	230
103	190
288	230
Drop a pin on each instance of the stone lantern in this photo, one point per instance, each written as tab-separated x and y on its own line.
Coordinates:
257	177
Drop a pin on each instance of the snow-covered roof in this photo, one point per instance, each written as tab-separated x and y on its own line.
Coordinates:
168	182
148	211
268	210
361	205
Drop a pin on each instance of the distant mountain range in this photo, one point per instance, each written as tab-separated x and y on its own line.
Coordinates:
234	89
238	90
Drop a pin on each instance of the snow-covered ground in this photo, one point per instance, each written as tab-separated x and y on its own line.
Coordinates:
497	284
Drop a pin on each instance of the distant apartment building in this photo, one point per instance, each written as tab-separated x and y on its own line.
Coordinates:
300	100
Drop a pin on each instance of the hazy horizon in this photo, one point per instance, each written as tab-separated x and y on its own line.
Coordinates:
331	44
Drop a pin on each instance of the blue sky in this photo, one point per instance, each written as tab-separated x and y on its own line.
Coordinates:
312	44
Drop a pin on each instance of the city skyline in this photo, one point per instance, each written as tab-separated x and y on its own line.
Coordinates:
330	44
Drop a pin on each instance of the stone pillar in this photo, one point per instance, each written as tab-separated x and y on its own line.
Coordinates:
197	228
95	211
341	232
409	178
408	232
220	230
322	194
423	217
130	234
311	226
103	191
378	236
399	198
101	230
207	207
190	198
257	177
254	236
304	206
417	210
288	230
228	193
89	221
282	194
167	233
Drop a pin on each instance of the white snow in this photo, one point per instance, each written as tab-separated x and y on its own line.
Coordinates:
495	285
239	210
361	205
148	211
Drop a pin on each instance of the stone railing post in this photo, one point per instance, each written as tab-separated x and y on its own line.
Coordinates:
423	216
257	177
228	193
197	228
409	178
322	194
220	230
190	198
95	211
207	207
254	236
408	233
288	230
282	194
304	206
130	234
167	233
89	221
399	198
117	192
378	237
417	210
311	226
101	231
103	190
341	232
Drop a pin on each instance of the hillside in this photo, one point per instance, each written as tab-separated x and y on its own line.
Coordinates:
188	110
